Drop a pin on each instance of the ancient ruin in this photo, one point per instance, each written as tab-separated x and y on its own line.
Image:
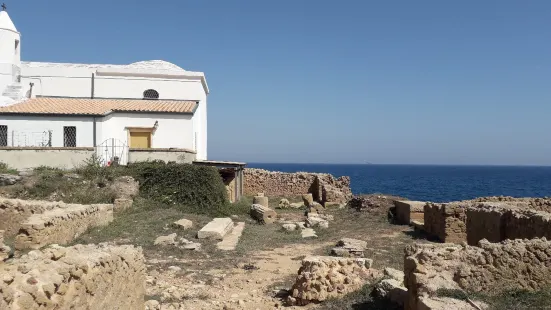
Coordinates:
323	277
511	264
61	225
78	277
14	212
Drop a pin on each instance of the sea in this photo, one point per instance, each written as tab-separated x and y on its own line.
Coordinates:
433	183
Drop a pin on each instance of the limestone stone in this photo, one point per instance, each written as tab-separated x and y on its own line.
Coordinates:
289	227
229	243
263	214
152	305
85	277
284	204
395	274
183	224
308	233
261	200
316	221
323	277
121	204
216	229
166	240
392	290
307	200
348	247
61	225
296	205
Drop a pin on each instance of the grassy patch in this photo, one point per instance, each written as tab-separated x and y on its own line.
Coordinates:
258	237
5	169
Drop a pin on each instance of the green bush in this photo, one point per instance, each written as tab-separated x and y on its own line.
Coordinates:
4	168
197	187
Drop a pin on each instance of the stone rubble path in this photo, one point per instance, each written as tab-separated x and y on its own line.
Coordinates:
230	240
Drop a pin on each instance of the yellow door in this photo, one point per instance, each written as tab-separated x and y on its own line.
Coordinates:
140	140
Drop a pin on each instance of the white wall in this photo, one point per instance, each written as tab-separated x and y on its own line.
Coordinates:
173	131
32	130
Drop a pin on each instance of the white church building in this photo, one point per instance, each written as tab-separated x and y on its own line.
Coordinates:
56	114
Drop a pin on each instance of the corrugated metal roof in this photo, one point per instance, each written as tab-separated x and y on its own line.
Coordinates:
82	106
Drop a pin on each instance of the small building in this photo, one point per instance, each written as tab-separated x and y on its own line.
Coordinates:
231	173
59	113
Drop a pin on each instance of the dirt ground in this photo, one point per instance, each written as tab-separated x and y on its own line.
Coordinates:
265	263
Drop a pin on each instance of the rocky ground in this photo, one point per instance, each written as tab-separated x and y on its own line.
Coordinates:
264	265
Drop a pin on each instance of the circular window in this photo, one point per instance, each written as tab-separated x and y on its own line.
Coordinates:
151	94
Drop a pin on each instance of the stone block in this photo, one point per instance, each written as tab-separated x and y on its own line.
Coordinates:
308	200
261	200
446	221
284	204
263	214
183	224
216	229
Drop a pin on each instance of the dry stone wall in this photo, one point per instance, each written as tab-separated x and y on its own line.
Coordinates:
323	277
78	277
323	187
61	225
446	221
511	264
13	212
528	203
497	221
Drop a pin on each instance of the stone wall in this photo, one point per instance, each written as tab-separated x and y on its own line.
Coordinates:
536	204
489	267
78	277
14	212
61	225
58	157
446	221
497	221
406	211
324	187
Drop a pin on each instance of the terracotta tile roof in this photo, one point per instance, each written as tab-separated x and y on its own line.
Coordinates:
82	106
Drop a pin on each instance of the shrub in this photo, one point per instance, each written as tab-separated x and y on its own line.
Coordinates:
193	186
4	168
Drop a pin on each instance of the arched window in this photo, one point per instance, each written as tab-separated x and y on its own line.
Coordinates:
150	94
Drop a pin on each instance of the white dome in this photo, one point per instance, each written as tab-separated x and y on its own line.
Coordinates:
155	64
5	22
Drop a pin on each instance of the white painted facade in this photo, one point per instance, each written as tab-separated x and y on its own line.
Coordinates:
22	80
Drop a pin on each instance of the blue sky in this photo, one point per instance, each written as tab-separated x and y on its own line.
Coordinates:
437	82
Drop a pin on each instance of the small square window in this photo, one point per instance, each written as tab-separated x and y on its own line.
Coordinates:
3	135
69	136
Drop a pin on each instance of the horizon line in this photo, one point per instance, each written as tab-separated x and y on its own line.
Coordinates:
394	164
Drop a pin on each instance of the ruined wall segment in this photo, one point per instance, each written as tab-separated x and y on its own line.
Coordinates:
498	221
61	225
323	187
13	212
446	221
78	277
489	267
